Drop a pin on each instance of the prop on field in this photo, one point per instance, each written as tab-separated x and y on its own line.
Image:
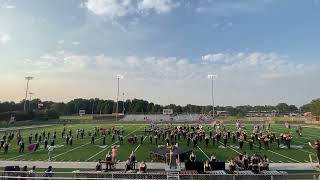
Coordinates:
221	147
130	140
33	147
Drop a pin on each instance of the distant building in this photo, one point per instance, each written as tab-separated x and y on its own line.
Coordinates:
261	113
223	113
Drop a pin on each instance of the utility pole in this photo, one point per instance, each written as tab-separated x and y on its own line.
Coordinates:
118	77
30	96
212	77
28	78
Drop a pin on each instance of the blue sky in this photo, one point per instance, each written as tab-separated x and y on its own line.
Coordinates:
264	52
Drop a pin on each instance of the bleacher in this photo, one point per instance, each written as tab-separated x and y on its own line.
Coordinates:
161	117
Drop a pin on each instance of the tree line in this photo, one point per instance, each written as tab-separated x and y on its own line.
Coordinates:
139	106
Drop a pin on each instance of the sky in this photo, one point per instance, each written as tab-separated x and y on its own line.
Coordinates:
264	52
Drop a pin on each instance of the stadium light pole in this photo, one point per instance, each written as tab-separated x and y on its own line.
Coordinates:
212	77
123	104
28	78
92	106
118	77
30	97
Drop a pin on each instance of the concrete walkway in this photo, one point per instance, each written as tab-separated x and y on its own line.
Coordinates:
151	165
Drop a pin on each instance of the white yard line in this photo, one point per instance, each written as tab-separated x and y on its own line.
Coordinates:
111	145
306	151
203	153
73	149
13	158
284	156
231	148
76	148
140	144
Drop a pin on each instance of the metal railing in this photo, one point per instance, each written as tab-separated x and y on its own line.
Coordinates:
13	175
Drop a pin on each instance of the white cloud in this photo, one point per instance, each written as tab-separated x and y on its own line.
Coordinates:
160	6
242	76
7	4
10	7
254	65
110	8
60	41
222	25
4	38
40	20
119	8
76	43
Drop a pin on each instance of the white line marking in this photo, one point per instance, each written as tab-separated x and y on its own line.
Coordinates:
281	161
140	144
73	149
13	158
76	148
204	153
111	145
284	156
306	151
231	148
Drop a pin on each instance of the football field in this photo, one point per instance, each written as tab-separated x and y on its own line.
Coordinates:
82	150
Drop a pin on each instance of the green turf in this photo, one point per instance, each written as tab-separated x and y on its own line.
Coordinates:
82	150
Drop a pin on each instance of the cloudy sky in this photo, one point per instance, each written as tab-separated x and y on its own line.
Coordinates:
264	52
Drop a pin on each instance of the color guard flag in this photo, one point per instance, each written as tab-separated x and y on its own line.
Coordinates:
32	148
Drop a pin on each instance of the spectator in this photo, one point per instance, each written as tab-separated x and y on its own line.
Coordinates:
316	146
266	163
127	165
99	166
143	167
108	160
133	160
24	171
192	157
232	166
32	172
48	172
114	152
245	160
206	166
213	158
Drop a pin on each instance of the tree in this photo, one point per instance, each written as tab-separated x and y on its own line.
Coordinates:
293	108
282	108
315	107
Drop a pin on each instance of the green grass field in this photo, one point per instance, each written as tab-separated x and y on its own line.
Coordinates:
82	150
